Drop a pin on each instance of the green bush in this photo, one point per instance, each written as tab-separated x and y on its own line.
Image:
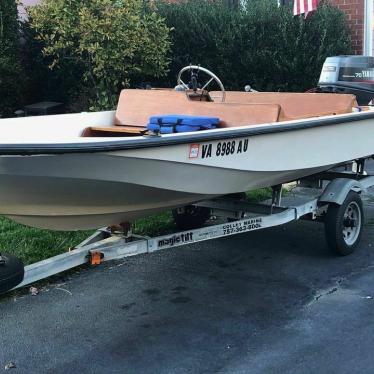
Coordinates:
62	84
110	42
258	44
10	67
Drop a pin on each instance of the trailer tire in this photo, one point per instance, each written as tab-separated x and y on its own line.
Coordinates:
192	218
344	223
12	272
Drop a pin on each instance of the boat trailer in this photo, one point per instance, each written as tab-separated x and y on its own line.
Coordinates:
338	205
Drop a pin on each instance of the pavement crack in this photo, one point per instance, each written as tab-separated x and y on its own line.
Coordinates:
327	292
339	283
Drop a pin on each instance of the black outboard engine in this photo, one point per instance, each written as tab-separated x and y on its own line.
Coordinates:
350	75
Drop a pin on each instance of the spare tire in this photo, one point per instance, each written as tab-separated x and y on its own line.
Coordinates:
12	272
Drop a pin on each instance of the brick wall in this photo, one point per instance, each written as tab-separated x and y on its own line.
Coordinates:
355	11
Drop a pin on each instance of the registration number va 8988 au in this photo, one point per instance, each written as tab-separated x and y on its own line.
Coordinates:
224	148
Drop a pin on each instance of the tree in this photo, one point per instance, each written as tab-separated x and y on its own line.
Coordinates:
112	41
10	67
260	44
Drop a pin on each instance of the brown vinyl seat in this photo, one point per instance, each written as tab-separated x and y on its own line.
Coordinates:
136	106
297	105
240	108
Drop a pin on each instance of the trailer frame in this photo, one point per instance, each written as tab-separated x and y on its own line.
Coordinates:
243	217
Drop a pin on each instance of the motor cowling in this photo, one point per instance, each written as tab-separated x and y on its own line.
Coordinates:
349	75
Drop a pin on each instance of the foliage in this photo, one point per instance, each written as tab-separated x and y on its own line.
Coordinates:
42	83
258	44
109	41
32	245
10	67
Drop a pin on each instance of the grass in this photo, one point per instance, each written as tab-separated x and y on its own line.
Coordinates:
261	194
32	245
159	224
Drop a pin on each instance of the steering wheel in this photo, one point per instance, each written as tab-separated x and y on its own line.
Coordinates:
194	71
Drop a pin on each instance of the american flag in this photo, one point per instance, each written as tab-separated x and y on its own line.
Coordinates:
304	6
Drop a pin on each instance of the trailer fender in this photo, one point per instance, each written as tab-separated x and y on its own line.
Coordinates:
338	189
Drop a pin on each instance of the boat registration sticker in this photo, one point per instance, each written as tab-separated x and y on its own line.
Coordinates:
194	150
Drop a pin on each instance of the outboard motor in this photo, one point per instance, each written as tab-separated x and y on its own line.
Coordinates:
349	75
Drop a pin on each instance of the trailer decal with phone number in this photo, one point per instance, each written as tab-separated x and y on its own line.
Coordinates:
242	226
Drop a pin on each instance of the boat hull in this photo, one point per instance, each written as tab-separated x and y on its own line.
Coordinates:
86	188
75	192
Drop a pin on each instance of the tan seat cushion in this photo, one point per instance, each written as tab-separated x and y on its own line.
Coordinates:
136	106
297	105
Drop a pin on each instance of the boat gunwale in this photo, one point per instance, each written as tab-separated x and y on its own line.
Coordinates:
185	138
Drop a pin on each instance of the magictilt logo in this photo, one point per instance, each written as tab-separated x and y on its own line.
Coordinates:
176	239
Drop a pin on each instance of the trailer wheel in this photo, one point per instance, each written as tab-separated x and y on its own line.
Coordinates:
191	218
11	272
344	223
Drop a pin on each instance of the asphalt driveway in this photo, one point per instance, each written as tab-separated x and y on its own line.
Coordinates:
272	301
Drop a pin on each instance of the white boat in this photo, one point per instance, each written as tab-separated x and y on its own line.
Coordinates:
89	170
